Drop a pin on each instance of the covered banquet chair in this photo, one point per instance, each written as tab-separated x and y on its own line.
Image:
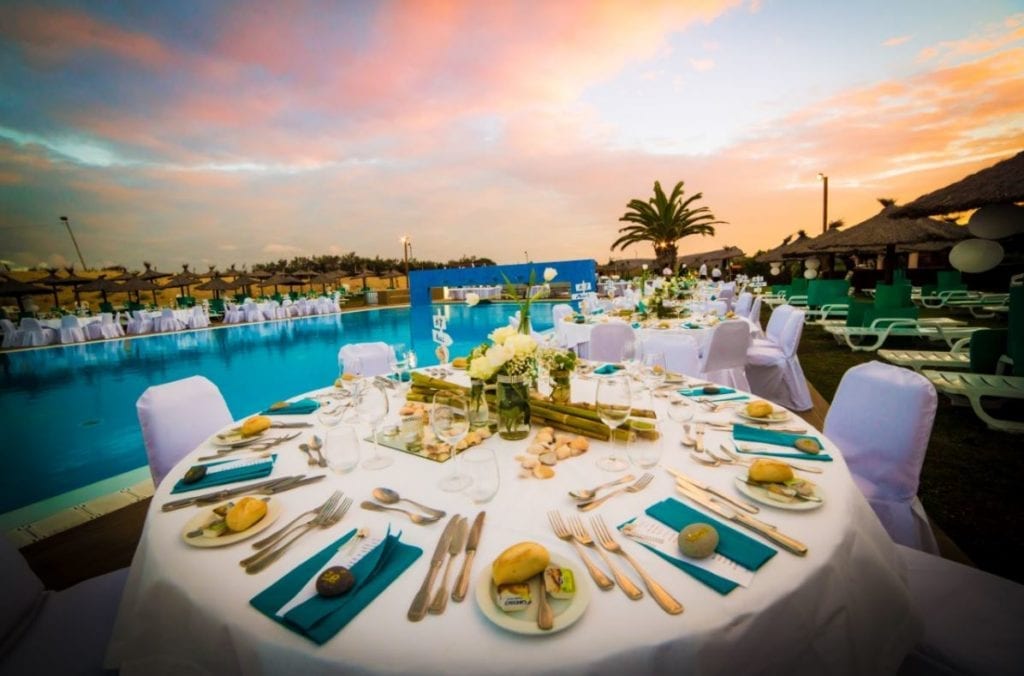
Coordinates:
724	357
560	311
197	318
176	417
166	322
34	334
682	352
973	620
54	632
139	323
774	372
881	419
105	327
366	359
613	341
755	314
12	336
70	330
776	323
743	304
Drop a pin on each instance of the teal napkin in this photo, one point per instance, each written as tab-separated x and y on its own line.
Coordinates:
228	476
598	311
763	436
607	369
732	544
699	392
300	407
635	325
641	307
319	619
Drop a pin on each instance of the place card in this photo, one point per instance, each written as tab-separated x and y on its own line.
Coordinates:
658	536
345	556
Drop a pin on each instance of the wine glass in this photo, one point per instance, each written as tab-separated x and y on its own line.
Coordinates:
652	370
449	417
400	368
613	403
371	404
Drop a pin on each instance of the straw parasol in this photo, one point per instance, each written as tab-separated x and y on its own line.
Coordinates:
151	274
138	285
391	275
281	278
103	285
217	284
259	274
123	277
785	250
13	288
722	256
364	273
1002	183
183	279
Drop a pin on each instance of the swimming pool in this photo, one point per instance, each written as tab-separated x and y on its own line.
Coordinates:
68	412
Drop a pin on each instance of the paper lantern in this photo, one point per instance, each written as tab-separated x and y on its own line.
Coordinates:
976	255
812	263
810	274
997	221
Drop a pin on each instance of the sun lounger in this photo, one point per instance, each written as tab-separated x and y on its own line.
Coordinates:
975	387
873	336
983	305
957	358
943	298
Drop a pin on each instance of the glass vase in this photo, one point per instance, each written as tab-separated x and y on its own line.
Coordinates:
513	398
561	389
479	412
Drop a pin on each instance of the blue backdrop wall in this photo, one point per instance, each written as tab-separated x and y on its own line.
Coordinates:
581	275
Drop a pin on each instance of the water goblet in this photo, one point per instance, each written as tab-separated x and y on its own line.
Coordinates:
614	403
371	404
341	448
481	466
652	370
646	453
449	418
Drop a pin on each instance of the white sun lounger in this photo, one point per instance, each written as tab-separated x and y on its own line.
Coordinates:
943	298
982	306
871	337
957	358
976	386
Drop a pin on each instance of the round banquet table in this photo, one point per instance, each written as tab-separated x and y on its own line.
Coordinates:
843	608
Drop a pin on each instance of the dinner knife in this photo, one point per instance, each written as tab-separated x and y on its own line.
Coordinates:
418	609
459	592
756	525
220	495
742	504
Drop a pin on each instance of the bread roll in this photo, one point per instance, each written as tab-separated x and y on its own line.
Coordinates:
769	471
519	563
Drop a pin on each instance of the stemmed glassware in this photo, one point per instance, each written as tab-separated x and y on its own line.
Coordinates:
449	417
613	402
400	368
652	371
371	404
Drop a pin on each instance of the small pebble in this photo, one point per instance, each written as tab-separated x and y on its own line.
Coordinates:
334	581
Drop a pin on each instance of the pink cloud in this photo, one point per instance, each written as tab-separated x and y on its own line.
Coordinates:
898	40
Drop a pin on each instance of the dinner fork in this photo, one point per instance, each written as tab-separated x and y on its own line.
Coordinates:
328	521
733	459
634	487
322	513
580	534
563	533
664	599
291	526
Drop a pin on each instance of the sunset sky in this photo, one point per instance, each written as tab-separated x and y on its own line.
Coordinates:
241	132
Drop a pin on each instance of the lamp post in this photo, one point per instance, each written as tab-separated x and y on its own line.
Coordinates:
67	224
824	205
406	248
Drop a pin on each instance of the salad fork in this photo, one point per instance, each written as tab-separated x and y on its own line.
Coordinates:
635	487
580	534
329	520
563	533
285	530
664	599
321	516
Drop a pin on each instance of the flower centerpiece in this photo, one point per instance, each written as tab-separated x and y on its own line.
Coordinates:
560	363
512	360
524	307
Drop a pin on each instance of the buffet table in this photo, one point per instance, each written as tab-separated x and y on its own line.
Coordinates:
842	608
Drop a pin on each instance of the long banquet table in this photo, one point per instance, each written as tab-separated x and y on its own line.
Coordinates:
843	608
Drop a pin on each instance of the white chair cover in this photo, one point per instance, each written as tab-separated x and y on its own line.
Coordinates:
176	417
47	632
973	621
775	373
197	319
166	322
560	312
743	304
104	328
755	315
12	336
726	295
881	418
682	352
117	325
366	359
232	314
725	356
139	324
251	312
34	334
612	342
776	323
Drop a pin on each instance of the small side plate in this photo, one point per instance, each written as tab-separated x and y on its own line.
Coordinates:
567	611
764	496
206	516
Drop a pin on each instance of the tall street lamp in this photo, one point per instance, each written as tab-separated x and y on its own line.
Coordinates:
406	248
824	205
67	224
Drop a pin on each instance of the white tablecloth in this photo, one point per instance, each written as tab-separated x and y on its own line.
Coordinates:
55	323
844	608
577	336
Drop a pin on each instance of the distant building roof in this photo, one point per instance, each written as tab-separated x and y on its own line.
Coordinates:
1002	183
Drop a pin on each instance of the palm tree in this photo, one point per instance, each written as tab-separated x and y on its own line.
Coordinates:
663	221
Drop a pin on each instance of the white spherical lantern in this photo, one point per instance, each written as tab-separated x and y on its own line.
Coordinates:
776	269
810	274
997	221
976	255
812	263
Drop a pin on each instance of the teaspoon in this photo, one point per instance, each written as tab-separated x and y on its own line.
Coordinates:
390	497
414	517
588	493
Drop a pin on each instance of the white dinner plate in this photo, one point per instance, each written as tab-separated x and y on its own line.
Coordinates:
228	437
763	496
206	516
567	611
777	415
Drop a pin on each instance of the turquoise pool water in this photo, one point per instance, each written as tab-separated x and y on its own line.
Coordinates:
68	413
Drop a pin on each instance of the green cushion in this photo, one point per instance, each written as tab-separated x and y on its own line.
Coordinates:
987	346
782	289
798	287
892	296
827	292
217	306
949	280
106	307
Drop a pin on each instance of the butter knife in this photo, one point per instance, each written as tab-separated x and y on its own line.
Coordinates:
462	586
742	504
221	494
418	609
760	527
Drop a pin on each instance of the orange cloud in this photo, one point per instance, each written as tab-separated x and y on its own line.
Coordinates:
898	40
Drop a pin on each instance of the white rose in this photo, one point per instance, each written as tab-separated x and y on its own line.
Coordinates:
501	334
497	355
521	344
549	274
480	369
472	299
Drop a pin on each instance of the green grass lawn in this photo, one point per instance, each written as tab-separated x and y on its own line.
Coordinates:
972	476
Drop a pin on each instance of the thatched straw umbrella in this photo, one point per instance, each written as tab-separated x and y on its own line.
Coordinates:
217	284
103	285
13	288
785	250
1002	183
123	277
281	278
183	279
364	273
391	275
718	257
150	273
138	285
